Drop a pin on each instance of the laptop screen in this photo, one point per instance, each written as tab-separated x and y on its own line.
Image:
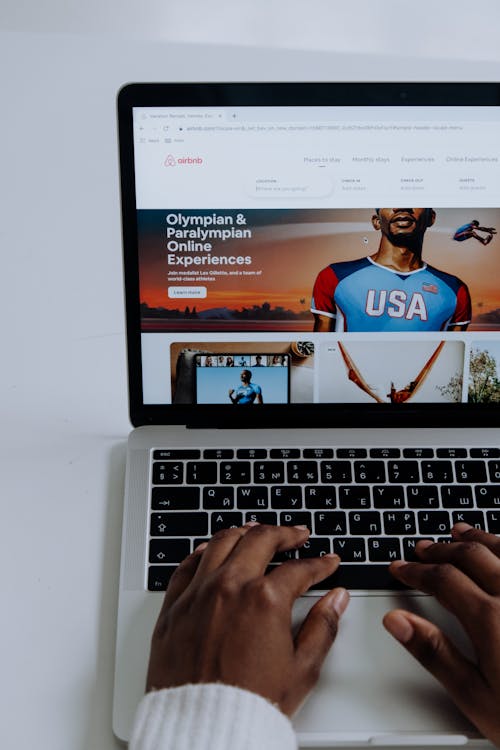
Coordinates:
269	271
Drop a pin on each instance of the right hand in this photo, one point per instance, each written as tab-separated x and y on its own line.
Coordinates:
465	578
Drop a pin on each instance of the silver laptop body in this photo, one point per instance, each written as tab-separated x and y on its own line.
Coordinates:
247	210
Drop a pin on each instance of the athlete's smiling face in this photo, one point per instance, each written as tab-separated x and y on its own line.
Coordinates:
400	224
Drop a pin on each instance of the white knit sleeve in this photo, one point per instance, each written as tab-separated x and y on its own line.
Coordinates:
210	717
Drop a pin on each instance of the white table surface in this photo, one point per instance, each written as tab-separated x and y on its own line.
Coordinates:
63	374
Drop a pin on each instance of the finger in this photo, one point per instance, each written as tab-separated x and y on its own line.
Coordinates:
220	547
452	588
295	577
312	643
471	557
181	578
252	555
462	531
430	646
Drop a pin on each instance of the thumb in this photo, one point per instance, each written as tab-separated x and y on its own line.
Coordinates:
434	650
317	633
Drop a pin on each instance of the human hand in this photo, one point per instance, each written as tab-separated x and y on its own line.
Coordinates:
224	620
465	578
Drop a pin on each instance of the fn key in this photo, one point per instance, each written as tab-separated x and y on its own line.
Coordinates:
159	576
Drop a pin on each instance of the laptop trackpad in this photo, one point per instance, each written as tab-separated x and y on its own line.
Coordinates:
370	685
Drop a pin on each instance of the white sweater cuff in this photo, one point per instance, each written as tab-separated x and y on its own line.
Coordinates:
210	717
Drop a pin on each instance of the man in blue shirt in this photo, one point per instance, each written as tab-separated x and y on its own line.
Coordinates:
394	289
247	392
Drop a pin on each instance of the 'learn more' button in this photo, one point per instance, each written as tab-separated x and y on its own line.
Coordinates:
187	292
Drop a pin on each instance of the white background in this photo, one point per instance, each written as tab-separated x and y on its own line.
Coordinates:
63	377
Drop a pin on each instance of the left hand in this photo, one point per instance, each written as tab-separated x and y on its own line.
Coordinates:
224	620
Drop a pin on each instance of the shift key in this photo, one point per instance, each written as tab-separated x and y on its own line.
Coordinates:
179	524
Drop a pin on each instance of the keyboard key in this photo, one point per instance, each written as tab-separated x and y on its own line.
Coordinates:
472	517
318	453
198	541
252	498
457	496
302	471
284	453
175	498
159	576
385	453
220	453
330	523
297	518
470	471
201	472
366	522
351	453
267	472
263	516
370	577
354	497
175	454
399	522
315	548
179	524
451	453
384	550
168	472
218	498
485	452
488	497
494	470
235	472
388	496
350	550
254	453
403	471
434	522
437	471
369	471
418	453
409	544
286	498
280	557
229	520
336	472
493	521
422	497
168	550
320	497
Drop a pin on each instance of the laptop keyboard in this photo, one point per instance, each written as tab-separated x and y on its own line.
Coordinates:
368	505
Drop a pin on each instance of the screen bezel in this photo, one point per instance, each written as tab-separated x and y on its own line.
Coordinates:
277	94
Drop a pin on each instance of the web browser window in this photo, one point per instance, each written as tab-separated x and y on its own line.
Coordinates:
270	271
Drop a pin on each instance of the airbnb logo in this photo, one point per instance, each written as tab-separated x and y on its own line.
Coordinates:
182	161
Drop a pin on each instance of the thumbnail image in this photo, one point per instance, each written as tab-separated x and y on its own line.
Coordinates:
354	270
244	373
483	385
391	372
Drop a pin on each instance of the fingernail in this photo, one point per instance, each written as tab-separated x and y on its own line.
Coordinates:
201	547
424	543
398	564
340	600
462	527
252	523
331	554
302	527
399	627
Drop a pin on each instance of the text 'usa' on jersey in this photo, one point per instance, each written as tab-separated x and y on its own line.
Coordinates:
362	295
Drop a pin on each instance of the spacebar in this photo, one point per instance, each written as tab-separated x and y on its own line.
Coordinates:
368	577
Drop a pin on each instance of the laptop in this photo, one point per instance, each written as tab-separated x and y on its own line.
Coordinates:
298	355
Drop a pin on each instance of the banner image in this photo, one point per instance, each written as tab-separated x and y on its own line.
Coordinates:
345	270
